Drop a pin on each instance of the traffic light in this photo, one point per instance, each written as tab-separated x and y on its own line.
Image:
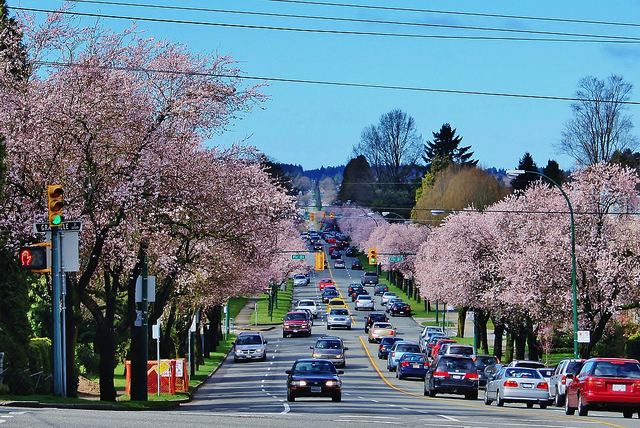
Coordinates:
331	215
373	256
312	216
319	260
55	204
34	257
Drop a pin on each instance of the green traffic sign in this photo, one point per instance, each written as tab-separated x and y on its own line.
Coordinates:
298	257
396	259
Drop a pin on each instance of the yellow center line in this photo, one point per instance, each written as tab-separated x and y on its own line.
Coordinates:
456	402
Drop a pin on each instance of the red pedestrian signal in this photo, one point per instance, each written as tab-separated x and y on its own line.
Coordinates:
34	258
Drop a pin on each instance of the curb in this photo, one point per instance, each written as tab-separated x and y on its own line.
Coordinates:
196	388
258	328
88	406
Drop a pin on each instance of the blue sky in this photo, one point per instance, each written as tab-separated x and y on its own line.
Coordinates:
318	125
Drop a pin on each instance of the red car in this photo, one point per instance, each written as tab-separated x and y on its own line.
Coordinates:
332	249
611	384
438	345
330	240
296	322
324	282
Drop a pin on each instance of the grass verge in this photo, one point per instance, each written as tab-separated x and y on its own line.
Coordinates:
280	309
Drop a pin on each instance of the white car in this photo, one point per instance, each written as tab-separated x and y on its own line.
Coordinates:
364	301
388	296
300	280
338	317
308	305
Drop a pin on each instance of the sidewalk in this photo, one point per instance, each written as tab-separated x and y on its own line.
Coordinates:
244	320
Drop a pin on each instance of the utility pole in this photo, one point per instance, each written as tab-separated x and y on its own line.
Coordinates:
58	387
140	338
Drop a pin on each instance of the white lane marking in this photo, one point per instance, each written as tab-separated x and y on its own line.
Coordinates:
360	397
271	362
17	413
2	421
286	410
369	416
449	418
375	401
268	368
369	420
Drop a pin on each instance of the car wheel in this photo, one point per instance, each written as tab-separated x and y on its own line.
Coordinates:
432	393
627	415
336	398
424	390
290	396
558	400
583	410
235	360
543	405
486	399
328	327
284	335
472	396
529	405
499	400
567	409
349	328
264	357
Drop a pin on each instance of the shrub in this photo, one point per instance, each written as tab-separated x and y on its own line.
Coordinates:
4	389
88	359
633	346
19	381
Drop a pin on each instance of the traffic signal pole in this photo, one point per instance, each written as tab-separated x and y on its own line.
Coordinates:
58	387
140	337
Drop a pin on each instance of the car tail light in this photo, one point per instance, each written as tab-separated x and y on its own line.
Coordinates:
510	384
472	376
564	380
542	385
440	375
404	364
426	365
595	383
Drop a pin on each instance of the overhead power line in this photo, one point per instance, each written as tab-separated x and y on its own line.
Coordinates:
331	83
451	12
352	20
323	31
335	83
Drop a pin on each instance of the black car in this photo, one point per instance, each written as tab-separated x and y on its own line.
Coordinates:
400	308
352	288
329	294
336	255
358	292
351	252
452	374
482	362
314	378
374	317
380	289
356	265
386	343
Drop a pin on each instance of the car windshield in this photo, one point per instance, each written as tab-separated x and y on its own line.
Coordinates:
390	294
382	325
306	303
485	361
389	340
314	367
330	293
407	348
249	339
413	357
339	312
296	316
299	277
523	373
364	297
336	302
456	364
530	364
328	344
546	372
461	350
574	366
626	369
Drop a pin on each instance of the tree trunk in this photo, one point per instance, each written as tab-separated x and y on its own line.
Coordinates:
498	332
532	343
508	357
462	318
107	348
521	343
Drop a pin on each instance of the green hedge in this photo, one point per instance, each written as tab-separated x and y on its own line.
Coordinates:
633	346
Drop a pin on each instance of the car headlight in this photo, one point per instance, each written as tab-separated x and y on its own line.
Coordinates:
315	355
299	383
332	383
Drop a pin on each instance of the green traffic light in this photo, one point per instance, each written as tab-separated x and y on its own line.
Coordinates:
56	220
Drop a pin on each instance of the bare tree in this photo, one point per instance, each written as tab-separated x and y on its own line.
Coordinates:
392	146
599	126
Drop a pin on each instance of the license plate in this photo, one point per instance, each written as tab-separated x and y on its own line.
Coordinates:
295	331
527	385
457	376
316	389
619	387
416	366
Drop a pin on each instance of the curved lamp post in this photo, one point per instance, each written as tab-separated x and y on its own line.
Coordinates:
574	287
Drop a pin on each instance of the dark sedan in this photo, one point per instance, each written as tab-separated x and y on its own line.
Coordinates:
351	252
314	378
482	362
358	292
452	375
329	294
374	317
386	343
336	255
356	265
412	365
400	308
352	288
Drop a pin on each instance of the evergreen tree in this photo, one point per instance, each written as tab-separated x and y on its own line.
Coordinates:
627	158
553	171
527	163
446	147
357	182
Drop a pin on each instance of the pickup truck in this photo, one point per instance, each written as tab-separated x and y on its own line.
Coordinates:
369	278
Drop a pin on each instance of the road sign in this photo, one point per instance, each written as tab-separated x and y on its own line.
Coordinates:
396	259
151	289
584	336
67	225
298	257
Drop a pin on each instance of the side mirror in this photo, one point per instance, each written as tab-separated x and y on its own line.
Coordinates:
346	348
287	371
340	371
266	341
310	347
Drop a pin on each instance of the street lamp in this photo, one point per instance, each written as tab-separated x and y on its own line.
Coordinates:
574	287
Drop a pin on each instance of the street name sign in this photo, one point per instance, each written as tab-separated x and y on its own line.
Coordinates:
396	259
298	257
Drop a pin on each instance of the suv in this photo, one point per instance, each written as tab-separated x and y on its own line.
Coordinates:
398	349
374	317
482	362
249	346
369	278
330	348
455	349
296	322
452	374
559	382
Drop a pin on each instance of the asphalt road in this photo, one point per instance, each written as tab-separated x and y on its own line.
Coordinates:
254	393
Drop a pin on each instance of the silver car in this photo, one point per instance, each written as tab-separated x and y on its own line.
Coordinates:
559	381
517	385
364	301
330	348
338	317
300	280
388	296
250	346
